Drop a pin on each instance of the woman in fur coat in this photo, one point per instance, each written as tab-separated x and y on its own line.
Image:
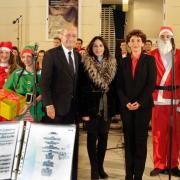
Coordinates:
96	73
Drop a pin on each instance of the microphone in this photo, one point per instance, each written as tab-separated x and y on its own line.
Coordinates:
36	47
14	22
173	43
36	50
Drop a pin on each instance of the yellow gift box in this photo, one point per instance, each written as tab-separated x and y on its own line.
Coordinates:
11	103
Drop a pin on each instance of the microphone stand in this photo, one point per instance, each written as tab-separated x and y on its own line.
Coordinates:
14	22
172	106
35	81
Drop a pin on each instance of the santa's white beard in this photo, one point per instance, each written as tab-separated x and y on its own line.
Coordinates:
164	47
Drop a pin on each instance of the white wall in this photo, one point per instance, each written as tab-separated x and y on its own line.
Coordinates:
172	15
90	19
33	22
146	15
36	22
9	11
143	14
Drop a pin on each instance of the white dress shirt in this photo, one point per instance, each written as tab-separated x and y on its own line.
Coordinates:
67	56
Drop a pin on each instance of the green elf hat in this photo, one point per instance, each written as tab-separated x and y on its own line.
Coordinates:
28	49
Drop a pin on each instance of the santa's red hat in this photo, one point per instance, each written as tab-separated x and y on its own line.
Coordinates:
166	29
6	46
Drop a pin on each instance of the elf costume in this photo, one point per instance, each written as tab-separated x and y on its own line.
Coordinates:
22	82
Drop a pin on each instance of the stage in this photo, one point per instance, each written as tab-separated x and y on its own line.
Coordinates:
114	161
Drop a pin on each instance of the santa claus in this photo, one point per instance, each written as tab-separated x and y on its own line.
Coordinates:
162	110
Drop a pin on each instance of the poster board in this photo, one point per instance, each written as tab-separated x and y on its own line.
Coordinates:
36	151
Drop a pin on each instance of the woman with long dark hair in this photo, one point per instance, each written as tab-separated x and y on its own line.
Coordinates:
96	73
17	57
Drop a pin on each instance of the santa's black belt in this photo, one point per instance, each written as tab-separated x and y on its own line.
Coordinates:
167	88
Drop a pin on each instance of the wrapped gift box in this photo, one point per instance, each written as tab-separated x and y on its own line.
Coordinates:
11	103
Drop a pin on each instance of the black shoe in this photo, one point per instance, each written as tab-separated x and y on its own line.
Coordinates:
156	172
129	178
137	178
103	174
165	171
175	172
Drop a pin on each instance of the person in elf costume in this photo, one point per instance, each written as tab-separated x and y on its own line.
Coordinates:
162	110
22	82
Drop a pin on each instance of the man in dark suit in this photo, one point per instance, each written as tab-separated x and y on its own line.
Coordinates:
59	76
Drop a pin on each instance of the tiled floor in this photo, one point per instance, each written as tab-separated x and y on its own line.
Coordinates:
114	162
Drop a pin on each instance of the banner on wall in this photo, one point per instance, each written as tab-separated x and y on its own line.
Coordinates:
61	13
